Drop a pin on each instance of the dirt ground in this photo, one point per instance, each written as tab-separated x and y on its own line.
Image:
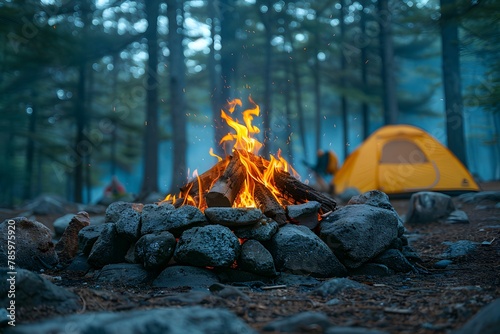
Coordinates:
437	302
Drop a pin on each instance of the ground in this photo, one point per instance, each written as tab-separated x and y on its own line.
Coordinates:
437	302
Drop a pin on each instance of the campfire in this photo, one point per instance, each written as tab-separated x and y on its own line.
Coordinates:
243	179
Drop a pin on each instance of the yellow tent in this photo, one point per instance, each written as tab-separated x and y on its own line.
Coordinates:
401	159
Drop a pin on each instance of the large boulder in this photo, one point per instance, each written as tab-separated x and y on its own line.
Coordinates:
297	249
27	244
428	207
358	233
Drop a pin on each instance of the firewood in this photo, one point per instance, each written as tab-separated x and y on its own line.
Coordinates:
294	191
268	204
290	187
227	186
205	180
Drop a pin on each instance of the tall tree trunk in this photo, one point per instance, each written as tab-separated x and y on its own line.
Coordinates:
317	91
365	111
80	144
217	98
150	172
297	87
30	150
342	82
266	19
228	60
390	102
175	14
452	80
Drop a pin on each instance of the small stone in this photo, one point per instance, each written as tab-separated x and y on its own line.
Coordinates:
109	247
394	260
305	214
127	217
67	247
427	207
458	249
456	217
87	236
211	245
335	285
255	258
261	231
233	217
155	250
126	274
442	264
185	276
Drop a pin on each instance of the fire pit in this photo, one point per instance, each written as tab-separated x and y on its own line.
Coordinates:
251	214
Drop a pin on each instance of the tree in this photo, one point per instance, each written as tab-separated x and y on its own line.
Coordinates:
151	141
177	88
389	97
452	80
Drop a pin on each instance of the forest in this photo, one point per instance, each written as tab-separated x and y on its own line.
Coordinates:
91	89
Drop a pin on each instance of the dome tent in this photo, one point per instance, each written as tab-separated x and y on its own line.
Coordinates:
403	159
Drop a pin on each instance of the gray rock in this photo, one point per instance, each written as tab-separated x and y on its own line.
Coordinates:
79	264
32	290
185	276
336	285
442	264
67	246
486	321
296	280
458	249
427	207
456	217
255	258
127	217
305	214
88	236
353	330
394	260
297	249
211	245
48	204
474	197
378	199
131	255
34	249
261	231
174	221
357	233
228	292
154	217
155	250
229	275
126	274
193	320
372	269
109	247
61	223
233	217
303	322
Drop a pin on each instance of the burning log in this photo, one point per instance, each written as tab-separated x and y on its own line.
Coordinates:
205	181
268	204
228	185
291	188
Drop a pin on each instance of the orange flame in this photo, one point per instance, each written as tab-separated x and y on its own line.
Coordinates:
246	144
